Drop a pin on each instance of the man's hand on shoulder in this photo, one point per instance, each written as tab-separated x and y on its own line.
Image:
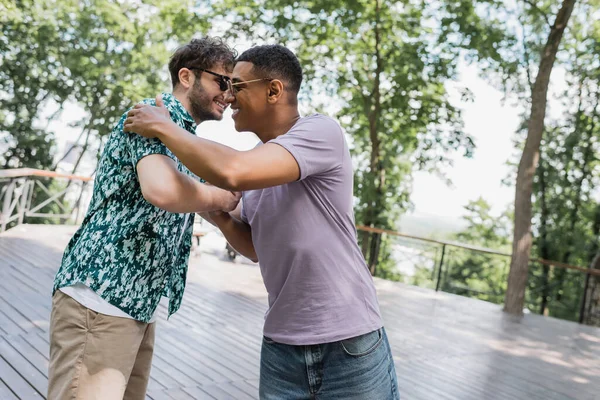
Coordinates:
146	120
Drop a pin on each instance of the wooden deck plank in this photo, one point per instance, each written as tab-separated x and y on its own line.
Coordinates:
219	360
8	325
154	385
161	377
236	392
15	382
30	353
6	393
205	366
29	372
22	321
216	392
179	394
25	306
198	393
159	395
253	383
22	259
445	347
247	388
172	371
38	342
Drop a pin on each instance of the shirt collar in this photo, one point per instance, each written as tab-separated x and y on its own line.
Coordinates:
175	105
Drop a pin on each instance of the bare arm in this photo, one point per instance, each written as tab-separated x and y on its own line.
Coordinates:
237	233
164	186
236	214
221	165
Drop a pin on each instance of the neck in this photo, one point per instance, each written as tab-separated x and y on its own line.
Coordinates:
185	102
279	124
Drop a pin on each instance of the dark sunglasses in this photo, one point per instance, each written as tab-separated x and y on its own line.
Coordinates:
224	81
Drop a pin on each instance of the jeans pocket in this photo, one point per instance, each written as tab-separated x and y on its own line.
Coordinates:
362	345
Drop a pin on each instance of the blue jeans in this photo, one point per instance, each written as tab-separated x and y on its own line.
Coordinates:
358	368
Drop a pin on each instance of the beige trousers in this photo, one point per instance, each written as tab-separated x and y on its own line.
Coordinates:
97	356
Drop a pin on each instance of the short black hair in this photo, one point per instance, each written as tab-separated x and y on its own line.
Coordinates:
205	53
276	62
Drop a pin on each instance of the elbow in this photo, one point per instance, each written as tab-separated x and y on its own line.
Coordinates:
231	177
163	198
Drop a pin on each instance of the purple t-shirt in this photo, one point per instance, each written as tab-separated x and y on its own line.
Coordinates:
320	289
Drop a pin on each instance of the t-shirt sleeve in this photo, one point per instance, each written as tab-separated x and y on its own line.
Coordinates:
317	144
243	215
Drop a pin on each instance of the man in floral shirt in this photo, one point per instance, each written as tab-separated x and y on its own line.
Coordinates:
133	245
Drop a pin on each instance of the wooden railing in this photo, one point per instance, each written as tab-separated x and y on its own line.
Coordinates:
26	193
441	258
557	264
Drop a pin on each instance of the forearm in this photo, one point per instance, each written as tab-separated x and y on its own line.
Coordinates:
212	161
206	216
238	234
190	196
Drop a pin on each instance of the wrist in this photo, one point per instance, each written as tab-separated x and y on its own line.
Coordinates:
219	216
162	128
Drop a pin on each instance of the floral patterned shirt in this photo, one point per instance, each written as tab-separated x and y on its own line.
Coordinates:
127	250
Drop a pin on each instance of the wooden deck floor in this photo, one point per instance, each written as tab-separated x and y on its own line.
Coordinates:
445	346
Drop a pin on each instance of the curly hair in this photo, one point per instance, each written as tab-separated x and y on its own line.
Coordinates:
206	53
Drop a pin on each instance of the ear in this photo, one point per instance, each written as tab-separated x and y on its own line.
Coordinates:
276	90
186	78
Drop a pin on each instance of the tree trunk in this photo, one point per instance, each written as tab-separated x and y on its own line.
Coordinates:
375	164
592	304
544	250
592	315
519	265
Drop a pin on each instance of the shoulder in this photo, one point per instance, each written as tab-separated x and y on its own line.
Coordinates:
320	121
317	124
320	128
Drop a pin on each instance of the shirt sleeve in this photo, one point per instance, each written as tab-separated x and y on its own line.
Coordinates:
317	143
139	147
243	215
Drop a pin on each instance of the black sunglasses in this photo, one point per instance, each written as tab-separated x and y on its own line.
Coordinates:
223	80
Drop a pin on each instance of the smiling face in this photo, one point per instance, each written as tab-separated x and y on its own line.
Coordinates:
205	97
250	101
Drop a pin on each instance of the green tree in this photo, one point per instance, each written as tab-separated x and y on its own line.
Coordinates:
385	65
30	77
478	274
99	54
118	54
565	187
522	241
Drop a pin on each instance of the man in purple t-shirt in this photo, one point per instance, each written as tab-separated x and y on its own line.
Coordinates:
323	333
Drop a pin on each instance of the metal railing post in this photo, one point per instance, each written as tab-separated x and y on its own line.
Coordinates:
439	277
586	287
